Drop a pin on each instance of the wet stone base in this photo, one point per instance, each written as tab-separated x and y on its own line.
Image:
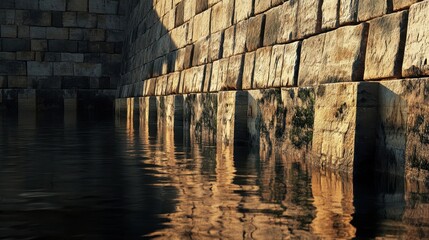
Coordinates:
347	127
14	101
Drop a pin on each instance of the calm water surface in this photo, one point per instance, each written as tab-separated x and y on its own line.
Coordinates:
112	179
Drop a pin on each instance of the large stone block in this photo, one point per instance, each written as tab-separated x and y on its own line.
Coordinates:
371	8
276	66
273	22
8	31
222	14
115	22
63	69
69	19
240	37
255	32
62	46
248	69
13	68
298	132
39	68
330	14
243	10
201	51
262	6
228	42
386	41
103	6
77	5
344	126
38	32
33	18
50	5
401	4
202	29
216	43
15	44
87	69
235	73
308	19
336	56
348	11
402	137
290	68
86	20
219	74
25	4
231	120
189	9
262	67
417	44
57	33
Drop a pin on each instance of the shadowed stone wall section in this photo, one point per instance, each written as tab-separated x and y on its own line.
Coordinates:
58	51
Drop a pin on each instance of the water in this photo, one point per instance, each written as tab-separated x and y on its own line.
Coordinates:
111	179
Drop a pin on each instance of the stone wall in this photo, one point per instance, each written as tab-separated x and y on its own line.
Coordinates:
60	54
316	78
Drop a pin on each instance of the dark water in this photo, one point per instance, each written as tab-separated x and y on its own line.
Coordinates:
110	179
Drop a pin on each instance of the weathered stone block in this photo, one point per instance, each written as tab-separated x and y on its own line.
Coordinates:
75	82
62	46
262	67
7	16
111	22
13	68
76	34
202	29
201	6
336	56
15	44
255	32
17	82
228	42
103	6
37	32
69	19
7	56
298	103
231	120
115	36
77	5
72	57
273	23
216	43
386	41
222	14
63	69
417	44
402	4
243	10
39	68
290	67
240	37
265	121
95	35
219	74
25	56
342	140
189	9
235	73
57	33
371	8
348	11
200	117
23	31
180	11
87	69
402	137
249	65
330	14
201	51
276	66
86	20
262	6
25	4
49	5
308	20
8	31
33	18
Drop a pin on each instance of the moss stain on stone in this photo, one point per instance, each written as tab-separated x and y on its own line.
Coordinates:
301	133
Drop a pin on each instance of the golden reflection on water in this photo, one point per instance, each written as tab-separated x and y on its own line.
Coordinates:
227	193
